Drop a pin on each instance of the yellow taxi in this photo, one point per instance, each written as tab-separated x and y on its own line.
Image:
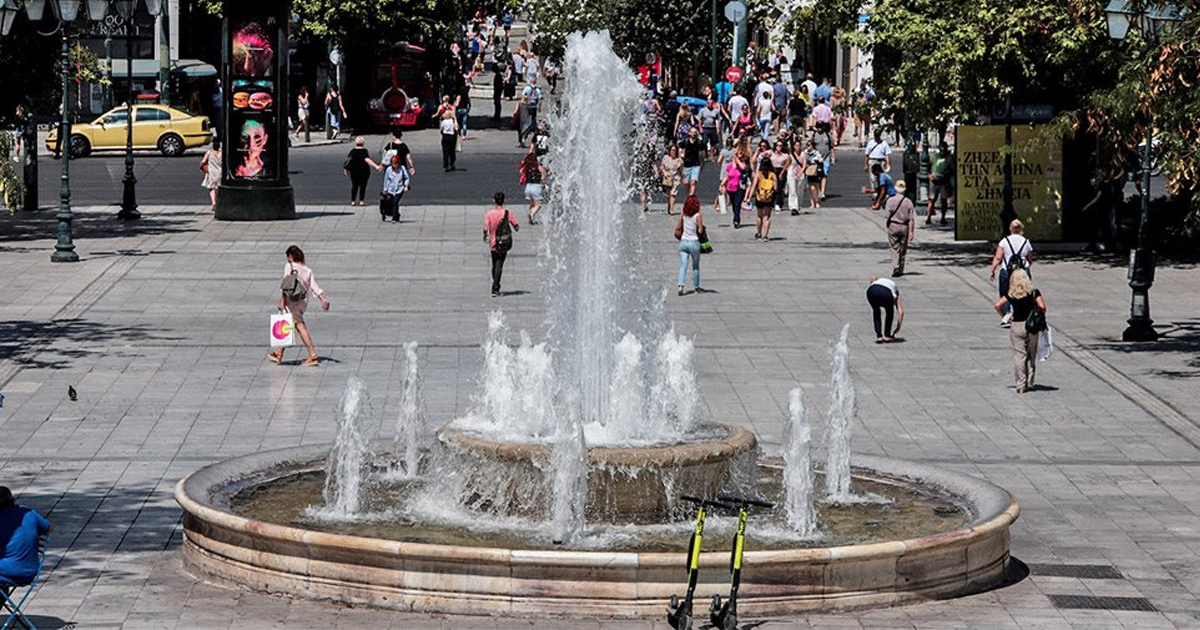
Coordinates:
154	127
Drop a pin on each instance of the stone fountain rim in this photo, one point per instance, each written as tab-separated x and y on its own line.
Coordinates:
995	509
737	440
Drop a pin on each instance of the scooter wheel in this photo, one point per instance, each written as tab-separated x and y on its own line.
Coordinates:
730	622
674	603
716	603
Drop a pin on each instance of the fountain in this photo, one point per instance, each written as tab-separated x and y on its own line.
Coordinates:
556	493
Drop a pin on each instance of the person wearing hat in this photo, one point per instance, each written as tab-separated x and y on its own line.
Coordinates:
901	226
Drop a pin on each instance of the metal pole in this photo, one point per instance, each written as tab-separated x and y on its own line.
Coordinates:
1008	213
164	55
108	94
129	209
1141	272
29	141
714	42
64	248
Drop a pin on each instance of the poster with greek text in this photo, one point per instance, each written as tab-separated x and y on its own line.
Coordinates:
1037	183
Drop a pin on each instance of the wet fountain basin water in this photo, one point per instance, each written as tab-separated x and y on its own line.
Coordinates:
283	496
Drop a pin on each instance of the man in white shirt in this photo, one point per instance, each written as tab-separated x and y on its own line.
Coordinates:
878	152
736	103
810	84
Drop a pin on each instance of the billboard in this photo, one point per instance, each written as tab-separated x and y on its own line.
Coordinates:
1037	183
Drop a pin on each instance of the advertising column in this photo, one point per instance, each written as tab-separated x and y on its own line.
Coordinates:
254	180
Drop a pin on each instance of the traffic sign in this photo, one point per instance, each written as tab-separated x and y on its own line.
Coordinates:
733	74
336	57
735	11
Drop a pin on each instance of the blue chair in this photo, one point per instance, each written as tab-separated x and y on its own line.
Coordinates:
7	591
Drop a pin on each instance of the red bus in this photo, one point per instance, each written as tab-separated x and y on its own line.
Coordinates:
401	87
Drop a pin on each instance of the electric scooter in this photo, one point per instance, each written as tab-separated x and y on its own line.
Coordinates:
724	616
679	614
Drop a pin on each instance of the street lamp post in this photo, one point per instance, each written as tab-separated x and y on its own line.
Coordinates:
129	209
66	12
1150	22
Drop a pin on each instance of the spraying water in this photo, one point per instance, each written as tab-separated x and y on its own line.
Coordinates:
797	468
842	409
345	466
569	470
412	414
591	241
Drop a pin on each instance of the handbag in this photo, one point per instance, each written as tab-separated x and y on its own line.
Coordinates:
283	330
705	244
1036	322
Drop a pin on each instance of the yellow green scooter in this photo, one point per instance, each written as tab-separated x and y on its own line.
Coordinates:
679	614
724	616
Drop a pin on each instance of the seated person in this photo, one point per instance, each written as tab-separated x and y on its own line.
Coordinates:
20	529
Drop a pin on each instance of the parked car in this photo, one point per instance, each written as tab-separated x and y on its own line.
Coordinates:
154	127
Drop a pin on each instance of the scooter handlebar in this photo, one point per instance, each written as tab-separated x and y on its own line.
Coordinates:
740	501
705	502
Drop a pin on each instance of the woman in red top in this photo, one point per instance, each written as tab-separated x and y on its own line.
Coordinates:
533	173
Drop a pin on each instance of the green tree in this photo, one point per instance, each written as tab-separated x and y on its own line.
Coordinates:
349	21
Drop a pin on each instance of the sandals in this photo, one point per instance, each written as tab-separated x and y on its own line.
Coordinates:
276	358
310	362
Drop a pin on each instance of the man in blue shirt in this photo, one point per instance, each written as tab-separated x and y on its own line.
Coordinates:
724	90
825	90
20	529
886	188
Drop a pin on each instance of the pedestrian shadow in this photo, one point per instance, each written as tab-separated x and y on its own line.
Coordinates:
513	293
1043	388
316	214
772	239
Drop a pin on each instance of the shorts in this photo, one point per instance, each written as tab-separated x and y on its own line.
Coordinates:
828	166
813	180
533	192
712	138
691	174
941	189
764	207
670	189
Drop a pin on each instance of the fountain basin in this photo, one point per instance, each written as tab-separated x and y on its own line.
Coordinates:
625	484
226	547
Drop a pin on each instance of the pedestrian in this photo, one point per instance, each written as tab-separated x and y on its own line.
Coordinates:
822	115
823	142
1020	301
765	106
210	165
498	227
688	231
745	123
734	185
693	158
878	152
884	297
885	189
684	123
301	112
449	130
797	109
781	162
397	146
780	93
533	175
901	226
941	177
531	100
498	89
20	530
710	123
838	104
814	172
796	178
1013	252
550	70
335	110
296	306
358	167
533	69
764	187
462	107
395	184
670	172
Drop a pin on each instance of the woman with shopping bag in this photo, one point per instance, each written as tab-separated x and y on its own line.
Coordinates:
297	285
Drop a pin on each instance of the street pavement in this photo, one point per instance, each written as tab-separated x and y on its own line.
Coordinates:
160	328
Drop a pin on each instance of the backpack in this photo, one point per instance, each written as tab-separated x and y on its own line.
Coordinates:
766	189
1015	261
504	240
292	288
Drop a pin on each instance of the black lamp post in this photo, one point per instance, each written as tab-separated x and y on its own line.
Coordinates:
129	209
66	12
1150	23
